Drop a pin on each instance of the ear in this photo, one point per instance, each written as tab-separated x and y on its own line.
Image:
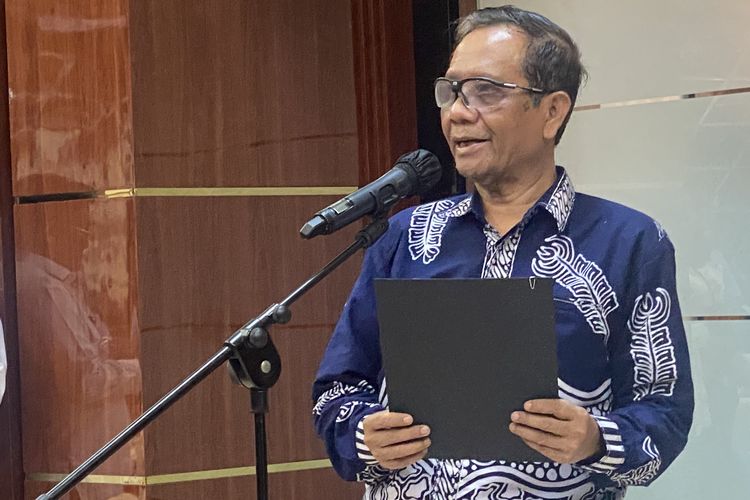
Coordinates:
556	106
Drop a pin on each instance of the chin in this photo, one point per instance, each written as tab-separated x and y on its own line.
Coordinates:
471	169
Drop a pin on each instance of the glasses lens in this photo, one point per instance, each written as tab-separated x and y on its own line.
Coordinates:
483	95
444	95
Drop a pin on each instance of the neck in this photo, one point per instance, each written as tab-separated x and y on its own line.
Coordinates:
506	201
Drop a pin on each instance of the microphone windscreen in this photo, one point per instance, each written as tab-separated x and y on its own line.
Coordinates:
425	166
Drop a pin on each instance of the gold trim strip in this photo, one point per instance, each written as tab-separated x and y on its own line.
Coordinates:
118	193
91	478
246	191
191	192
298	466
655	100
182	477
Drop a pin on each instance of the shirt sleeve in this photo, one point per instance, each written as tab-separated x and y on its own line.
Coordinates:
347	386
653	389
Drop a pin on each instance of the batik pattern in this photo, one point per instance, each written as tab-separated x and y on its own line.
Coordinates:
498	260
660	230
651	346
461	208
602	255
591	292
426	230
561	202
491	480
644	473
597	402
338	390
363	451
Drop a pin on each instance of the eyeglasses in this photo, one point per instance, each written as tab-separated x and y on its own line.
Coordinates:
480	93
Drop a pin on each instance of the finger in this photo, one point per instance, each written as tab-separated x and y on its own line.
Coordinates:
550	424
536	436
387	420
404	462
402	450
559	408
389	437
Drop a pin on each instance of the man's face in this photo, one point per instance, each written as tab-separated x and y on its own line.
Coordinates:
495	145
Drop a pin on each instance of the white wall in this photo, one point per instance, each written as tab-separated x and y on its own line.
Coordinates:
686	162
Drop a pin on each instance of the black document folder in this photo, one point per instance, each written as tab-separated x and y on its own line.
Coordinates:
461	355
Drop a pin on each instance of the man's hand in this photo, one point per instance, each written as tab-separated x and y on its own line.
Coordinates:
557	429
394	441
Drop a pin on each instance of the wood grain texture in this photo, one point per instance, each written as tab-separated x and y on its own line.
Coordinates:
128	296
92	492
244	93
207	266
320	484
466	7
78	339
70	99
11	465
384	79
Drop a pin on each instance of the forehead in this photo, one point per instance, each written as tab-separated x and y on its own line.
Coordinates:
494	51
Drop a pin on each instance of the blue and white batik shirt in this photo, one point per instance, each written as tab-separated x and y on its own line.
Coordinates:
620	342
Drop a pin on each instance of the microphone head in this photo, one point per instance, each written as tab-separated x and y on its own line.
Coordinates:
422	166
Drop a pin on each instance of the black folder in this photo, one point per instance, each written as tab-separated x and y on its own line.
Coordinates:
461	355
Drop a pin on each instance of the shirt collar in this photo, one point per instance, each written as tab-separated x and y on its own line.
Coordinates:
558	201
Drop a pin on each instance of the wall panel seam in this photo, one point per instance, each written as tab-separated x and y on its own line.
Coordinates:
181	477
657	100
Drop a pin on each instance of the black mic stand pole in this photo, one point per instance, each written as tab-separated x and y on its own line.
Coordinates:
254	363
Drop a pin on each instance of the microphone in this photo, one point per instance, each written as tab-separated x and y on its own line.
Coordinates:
414	173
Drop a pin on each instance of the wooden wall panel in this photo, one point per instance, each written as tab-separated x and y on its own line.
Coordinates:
244	93
128	295
80	367
11	478
70	98
207	266
240	252
466	7
301	485
384	79
88	491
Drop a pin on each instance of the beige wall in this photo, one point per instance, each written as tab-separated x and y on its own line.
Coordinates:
641	138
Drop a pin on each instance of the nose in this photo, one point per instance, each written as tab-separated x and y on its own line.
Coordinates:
460	110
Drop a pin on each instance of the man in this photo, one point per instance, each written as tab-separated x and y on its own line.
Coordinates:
625	388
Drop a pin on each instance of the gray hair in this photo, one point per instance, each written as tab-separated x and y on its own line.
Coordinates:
552	61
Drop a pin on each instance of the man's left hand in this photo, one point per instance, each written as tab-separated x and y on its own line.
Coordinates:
557	429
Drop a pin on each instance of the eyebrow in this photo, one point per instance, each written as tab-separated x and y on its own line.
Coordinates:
452	76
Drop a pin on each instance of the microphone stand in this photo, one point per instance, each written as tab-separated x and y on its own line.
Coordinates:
254	363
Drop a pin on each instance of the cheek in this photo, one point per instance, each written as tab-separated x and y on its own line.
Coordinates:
500	133
445	123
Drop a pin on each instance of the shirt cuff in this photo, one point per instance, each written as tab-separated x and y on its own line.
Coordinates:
363	451
614	452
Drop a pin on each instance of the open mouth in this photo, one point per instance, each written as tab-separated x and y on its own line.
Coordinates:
468	143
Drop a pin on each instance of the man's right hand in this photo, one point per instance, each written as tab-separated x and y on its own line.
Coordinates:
393	441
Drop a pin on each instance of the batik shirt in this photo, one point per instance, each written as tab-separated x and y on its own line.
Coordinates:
621	344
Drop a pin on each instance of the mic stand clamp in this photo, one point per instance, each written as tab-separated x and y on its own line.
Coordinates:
256	365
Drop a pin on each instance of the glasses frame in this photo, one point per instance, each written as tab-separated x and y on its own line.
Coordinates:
457	85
